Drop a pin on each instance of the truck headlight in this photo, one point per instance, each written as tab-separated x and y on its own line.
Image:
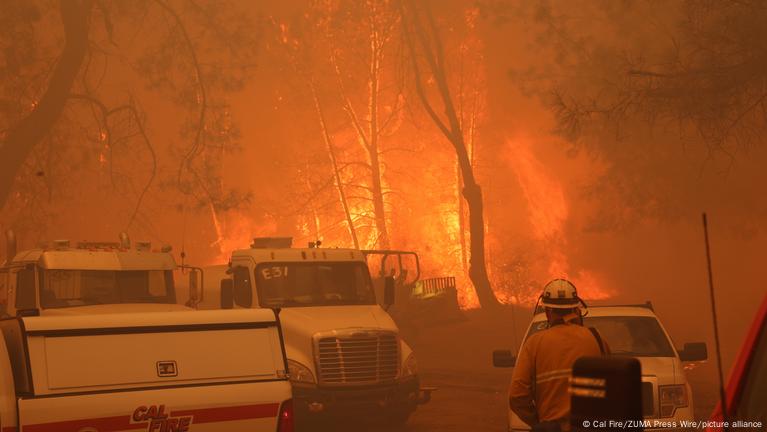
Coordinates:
410	367
299	373
671	398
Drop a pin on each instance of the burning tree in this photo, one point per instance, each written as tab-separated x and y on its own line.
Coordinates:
357	54
299	51
380	116
425	46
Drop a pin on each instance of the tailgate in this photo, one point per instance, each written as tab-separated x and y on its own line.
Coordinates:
109	357
156	372
251	407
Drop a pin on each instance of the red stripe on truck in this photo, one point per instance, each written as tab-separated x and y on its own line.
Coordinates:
243	412
121	423
103	424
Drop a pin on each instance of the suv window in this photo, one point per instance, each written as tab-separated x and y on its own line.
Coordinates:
639	336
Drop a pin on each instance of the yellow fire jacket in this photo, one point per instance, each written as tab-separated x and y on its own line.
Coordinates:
540	381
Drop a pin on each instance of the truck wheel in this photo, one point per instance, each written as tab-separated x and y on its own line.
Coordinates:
398	417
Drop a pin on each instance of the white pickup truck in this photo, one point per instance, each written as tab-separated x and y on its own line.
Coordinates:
345	354
635	331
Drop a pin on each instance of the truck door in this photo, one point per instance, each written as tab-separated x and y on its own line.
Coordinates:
4	287
7	389
244	286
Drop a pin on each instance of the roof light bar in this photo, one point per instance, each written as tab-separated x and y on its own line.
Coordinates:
272	242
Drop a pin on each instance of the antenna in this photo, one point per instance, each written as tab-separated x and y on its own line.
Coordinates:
10	245
722	394
124	240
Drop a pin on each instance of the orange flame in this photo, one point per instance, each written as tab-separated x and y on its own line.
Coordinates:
236	231
548	213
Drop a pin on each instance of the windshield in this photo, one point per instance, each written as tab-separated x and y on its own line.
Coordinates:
313	284
639	336
69	288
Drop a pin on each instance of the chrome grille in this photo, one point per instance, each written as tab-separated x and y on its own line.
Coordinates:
357	358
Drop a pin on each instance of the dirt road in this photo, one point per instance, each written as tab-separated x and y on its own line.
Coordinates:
452	409
464	402
464	406
472	394
457	408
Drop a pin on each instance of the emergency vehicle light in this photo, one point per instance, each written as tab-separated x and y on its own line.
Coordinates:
60	244
272	242
97	245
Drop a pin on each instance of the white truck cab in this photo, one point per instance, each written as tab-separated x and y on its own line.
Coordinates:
344	351
154	372
60	278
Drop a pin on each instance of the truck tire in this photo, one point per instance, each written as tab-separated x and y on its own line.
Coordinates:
398	417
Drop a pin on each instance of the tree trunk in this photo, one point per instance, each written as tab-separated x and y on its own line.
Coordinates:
336	173
378	201
25	135
461	219
431	47
477	264
373	133
370	140
473	195
459	181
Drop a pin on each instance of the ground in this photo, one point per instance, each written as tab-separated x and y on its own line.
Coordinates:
471	394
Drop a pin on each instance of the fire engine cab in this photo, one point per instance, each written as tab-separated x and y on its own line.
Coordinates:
92	340
345	353
61	278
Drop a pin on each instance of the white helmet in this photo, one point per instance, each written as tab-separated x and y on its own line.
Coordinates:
560	294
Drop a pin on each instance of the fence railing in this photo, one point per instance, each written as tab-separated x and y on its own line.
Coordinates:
433	287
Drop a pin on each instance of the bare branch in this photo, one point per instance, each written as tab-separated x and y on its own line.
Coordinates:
417	72
202	95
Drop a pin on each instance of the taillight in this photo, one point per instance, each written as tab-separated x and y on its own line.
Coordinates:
286	420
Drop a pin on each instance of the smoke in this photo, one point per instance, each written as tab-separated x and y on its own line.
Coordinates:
618	214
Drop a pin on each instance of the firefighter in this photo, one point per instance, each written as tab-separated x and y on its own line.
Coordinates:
539	392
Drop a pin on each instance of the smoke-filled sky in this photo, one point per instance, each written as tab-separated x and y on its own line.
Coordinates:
598	132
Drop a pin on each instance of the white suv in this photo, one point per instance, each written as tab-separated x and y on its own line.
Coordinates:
635	331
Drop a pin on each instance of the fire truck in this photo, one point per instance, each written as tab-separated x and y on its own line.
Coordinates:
345	353
61	278
747	386
92	340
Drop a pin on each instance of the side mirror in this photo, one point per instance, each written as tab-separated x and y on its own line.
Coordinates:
243	289
696	351
26	298
194	289
504	359
604	389
227	294
388	299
